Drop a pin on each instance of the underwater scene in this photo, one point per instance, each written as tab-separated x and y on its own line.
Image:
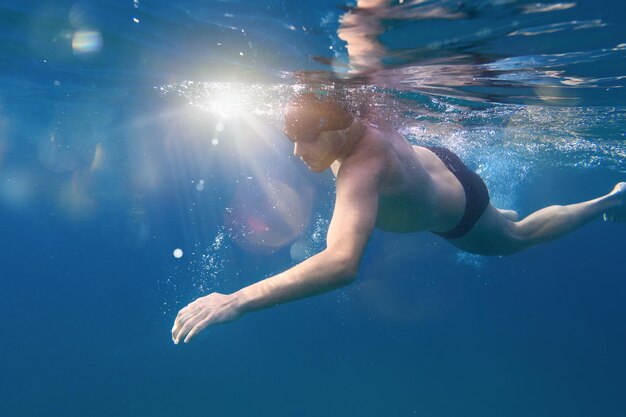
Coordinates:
146	162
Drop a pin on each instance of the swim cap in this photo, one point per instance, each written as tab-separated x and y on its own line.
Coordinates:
307	116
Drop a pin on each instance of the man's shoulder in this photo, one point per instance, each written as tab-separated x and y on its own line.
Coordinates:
366	165
373	151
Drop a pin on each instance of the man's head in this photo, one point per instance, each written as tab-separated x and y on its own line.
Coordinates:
315	125
307	116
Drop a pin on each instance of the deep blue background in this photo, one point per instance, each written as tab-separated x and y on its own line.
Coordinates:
538	333
88	293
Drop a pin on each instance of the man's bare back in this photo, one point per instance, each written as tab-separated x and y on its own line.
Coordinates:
417	191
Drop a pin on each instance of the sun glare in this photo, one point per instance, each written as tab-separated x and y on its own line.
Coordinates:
241	123
227	105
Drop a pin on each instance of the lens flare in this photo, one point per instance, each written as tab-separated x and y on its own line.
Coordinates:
16	188
75	200
3	150
555	95
4	147
265	218
86	42
98	158
56	155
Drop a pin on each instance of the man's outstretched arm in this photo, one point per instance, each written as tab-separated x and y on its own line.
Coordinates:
353	220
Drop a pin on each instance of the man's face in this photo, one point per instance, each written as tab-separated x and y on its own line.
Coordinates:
317	130
320	152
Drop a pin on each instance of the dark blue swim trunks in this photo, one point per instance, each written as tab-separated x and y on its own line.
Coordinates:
476	193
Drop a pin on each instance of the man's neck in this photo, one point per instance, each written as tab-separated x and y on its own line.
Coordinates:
355	133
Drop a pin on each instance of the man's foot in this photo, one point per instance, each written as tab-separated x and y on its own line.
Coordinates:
510	214
617	213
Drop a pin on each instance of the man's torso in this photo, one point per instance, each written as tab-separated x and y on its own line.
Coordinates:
416	190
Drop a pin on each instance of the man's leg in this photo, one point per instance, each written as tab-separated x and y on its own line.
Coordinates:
556	221
498	233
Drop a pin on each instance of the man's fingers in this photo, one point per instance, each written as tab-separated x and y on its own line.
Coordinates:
203	312
187	325
185	311
197	329
176	329
182	316
178	324
177	320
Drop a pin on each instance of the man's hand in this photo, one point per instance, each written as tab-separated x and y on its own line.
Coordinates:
215	308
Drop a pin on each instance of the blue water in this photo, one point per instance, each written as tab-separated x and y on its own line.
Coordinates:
130	129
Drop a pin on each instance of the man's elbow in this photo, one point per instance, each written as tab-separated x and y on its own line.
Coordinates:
347	269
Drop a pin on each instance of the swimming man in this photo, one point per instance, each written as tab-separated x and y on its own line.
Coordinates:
385	182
